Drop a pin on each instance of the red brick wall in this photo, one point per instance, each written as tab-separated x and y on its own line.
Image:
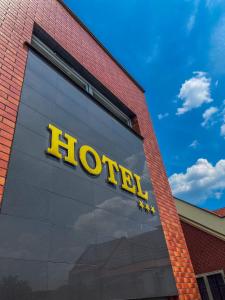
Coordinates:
16	20
207	252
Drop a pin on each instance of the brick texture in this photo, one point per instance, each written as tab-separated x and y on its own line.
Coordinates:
207	252
17	19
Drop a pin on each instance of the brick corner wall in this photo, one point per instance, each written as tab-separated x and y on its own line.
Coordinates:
16	24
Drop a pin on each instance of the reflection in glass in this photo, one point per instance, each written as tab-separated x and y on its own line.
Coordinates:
66	235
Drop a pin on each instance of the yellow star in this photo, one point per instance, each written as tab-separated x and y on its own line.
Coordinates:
152	210
140	204
147	208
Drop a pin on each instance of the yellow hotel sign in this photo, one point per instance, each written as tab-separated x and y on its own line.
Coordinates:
130	181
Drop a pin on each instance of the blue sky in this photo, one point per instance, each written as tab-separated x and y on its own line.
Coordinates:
176	50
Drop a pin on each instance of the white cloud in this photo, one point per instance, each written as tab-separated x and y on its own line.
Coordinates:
194	92
218	47
150	58
192	18
154	52
208	114
211	3
222	115
200	181
218	195
162	116
222	130
191	22
214	115
194	144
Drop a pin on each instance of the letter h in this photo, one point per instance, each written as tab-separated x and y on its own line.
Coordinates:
56	143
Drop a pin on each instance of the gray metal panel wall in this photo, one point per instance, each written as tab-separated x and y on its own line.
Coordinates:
65	234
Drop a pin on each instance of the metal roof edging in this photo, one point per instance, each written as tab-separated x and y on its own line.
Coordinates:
100	44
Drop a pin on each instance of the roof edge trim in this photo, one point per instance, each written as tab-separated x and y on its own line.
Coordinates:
101	45
199	226
203	209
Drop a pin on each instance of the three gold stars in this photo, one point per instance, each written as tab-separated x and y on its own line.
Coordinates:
141	205
153	210
146	207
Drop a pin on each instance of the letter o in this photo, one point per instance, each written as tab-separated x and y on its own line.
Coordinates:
84	150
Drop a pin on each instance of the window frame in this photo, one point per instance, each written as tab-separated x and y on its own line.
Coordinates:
80	81
205	278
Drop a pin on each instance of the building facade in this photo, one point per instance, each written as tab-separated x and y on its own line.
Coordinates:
204	233
86	208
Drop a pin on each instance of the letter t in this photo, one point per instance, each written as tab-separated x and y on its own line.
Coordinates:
112	167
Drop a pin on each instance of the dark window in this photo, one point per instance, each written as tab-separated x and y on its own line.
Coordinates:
202	288
217	286
58	62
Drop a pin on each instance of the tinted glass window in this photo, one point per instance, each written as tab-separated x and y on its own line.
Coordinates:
202	288
217	286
